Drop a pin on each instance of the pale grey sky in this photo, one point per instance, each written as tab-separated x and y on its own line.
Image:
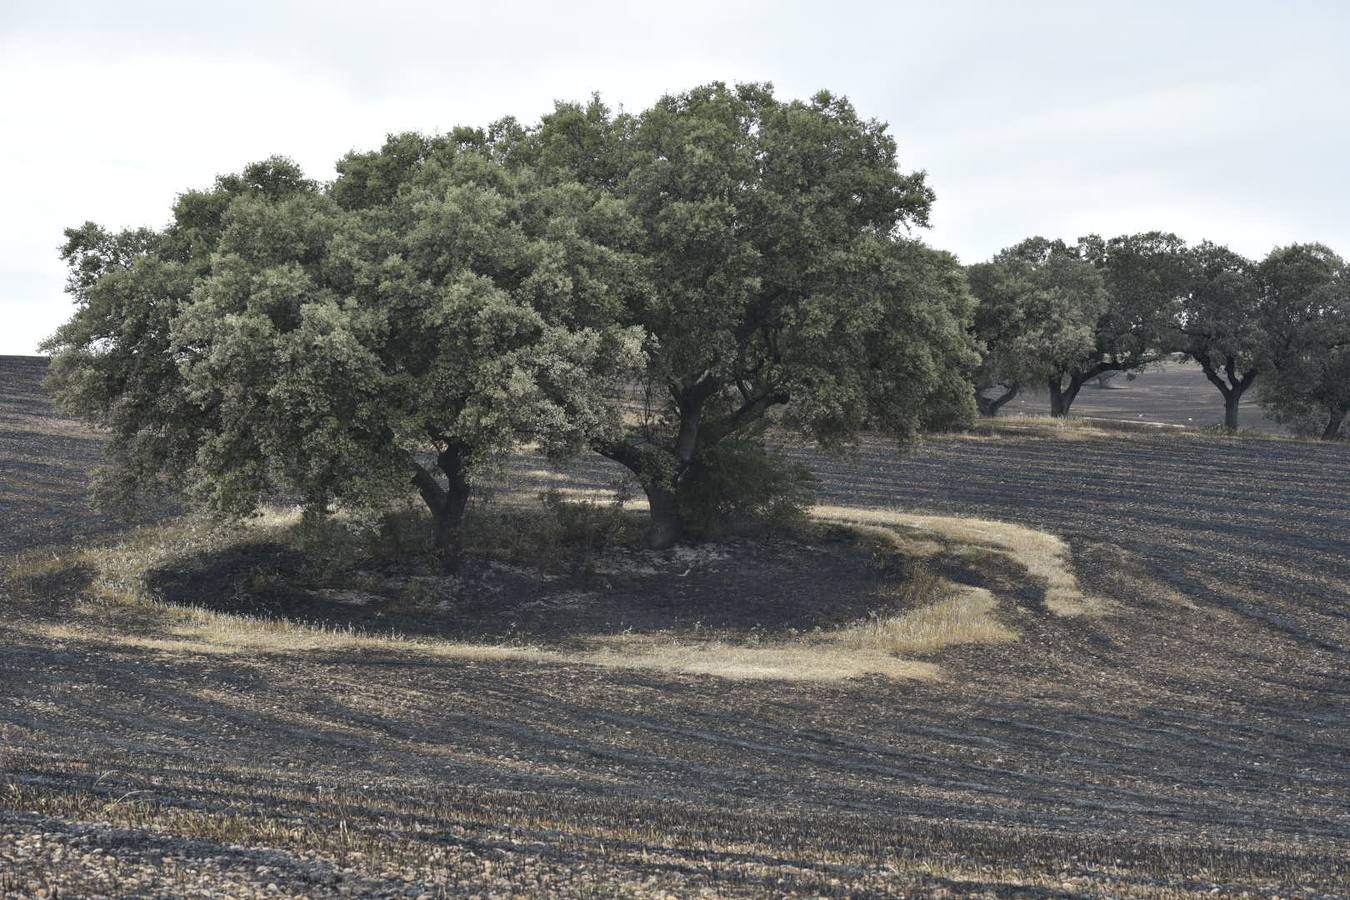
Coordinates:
1218	120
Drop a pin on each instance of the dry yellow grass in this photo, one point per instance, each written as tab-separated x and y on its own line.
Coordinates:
1044	556
947	614
218	633
795	660
964	616
1068	427
118	570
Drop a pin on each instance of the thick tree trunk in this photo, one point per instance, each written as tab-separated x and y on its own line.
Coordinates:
666	527
651	466
448	527
1057	408
1230	410
1334	420
659	469
447	505
1062	397
1231	387
989	406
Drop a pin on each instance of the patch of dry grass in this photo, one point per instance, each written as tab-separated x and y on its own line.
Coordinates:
964	616
1044	556
930	613
1071	428
796	660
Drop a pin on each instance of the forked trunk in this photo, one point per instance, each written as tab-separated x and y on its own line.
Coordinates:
1231	386
659	470
1062	397
989	406
447	505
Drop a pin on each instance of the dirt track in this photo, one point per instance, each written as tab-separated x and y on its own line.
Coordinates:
1195	739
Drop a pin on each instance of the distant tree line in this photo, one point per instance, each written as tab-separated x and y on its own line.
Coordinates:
1057	316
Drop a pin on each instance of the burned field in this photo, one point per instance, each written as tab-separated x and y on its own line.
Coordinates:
45	461
1182	729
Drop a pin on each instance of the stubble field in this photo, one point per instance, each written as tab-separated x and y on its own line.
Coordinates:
1162	708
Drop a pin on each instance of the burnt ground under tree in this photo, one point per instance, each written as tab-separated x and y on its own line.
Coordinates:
1193	740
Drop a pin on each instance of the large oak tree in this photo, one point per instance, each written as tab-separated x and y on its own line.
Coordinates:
784	280
274	339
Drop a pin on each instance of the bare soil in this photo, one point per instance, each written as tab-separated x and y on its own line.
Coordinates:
1195	741
727	588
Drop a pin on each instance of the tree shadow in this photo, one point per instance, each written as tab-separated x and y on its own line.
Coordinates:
725	589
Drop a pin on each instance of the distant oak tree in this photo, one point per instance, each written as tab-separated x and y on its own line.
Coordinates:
1306	296
1146	276
1221	324
1038	306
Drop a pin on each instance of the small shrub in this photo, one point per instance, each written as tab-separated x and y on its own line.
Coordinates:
584	528
737	484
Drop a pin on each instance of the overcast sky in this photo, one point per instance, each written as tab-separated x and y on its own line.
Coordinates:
1224	120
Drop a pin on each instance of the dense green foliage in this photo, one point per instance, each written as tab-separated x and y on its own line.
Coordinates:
1044	316
306	347
114	362
783	282
1039	304
724	258
1307	292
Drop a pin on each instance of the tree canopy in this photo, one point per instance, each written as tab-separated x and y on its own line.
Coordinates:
725	258
346	354
1222	325
1306	291
1039	304
783	280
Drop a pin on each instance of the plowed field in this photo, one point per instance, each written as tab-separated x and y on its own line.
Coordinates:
1193	739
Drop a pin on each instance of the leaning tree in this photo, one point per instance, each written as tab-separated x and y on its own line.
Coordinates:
1038	305
783	281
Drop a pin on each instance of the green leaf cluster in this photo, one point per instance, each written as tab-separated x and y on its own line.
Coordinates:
649	285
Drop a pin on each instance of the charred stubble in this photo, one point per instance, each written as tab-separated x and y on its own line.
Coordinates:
1194	738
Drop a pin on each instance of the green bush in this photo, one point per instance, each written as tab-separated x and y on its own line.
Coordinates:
585	528
738	484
